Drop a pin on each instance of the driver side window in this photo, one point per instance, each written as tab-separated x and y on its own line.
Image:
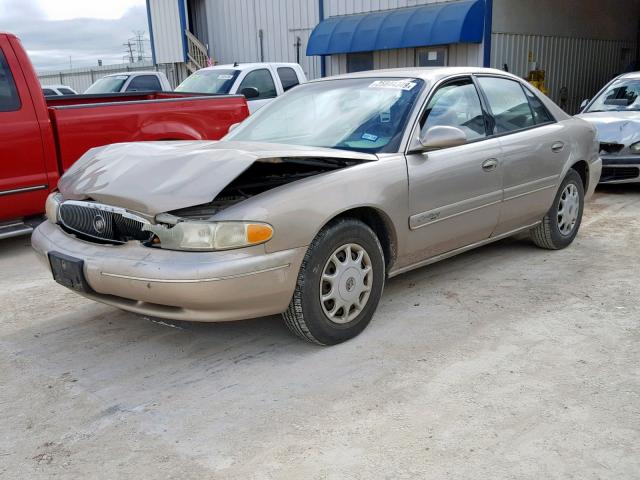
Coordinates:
456	104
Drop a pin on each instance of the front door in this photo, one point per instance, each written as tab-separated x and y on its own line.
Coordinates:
454	193
23	178
262	80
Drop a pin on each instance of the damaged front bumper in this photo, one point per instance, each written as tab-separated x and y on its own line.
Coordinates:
194	286
620	169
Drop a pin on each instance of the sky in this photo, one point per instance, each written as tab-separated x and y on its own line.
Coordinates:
85	30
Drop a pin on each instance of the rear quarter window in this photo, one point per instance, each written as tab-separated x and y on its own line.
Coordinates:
9	99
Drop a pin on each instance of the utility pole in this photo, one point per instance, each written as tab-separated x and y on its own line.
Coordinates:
130	50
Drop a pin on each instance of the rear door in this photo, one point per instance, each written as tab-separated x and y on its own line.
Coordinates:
454	193
23	178
534	152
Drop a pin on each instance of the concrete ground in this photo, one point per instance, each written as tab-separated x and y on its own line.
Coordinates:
506	362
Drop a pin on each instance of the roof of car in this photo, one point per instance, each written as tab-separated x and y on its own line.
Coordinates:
633	75
249	66
137	72
424	73
57	85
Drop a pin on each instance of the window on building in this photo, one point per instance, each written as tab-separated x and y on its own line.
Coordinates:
456	104
432	57
9	99
144	83
66	91
262	80
508	104
47	92
540	112
359	62
288	77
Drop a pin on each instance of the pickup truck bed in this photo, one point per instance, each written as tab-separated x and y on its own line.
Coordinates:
81	123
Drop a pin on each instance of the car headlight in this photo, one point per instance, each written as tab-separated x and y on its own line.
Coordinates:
52	206
635	148
210	236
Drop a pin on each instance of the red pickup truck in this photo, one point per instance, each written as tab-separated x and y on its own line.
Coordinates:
41	138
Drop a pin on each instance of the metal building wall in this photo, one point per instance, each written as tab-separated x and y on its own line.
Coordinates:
234	27
167	32
581	65
459	54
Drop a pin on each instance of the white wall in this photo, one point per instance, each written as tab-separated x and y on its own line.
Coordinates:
167	33
234	27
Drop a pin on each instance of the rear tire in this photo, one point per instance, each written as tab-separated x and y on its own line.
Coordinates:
560	225
339	284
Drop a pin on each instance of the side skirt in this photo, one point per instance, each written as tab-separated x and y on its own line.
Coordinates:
460	250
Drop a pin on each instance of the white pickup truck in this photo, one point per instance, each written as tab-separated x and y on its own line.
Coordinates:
140	81
258	82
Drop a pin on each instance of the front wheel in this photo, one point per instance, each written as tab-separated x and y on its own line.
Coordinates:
339	284
560	225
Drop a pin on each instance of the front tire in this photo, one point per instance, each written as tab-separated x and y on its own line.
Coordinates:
560	225
339	284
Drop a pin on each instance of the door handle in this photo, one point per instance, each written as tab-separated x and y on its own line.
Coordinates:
557	147
490	165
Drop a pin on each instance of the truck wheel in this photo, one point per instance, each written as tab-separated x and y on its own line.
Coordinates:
339	284
561	224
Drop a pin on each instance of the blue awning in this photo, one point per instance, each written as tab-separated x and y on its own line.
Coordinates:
460	21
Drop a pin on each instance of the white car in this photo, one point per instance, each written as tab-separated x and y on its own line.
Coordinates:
143	81
53	90
258	82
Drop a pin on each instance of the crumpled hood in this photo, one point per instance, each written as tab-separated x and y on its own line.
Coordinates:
615	127
157	177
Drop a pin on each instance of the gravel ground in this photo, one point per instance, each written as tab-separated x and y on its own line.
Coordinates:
505	362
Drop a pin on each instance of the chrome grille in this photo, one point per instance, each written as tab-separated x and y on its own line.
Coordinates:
101	222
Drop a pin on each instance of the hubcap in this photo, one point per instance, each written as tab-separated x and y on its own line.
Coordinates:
346	282
568	209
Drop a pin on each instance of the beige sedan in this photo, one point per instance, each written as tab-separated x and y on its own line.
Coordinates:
307	207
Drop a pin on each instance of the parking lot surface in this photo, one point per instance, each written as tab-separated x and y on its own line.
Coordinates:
505	362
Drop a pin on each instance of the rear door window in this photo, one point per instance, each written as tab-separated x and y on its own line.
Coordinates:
262	81
288	78
508	104
9	99
66	91
540	113
144	83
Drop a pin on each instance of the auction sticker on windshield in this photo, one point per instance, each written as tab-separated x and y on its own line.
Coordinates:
225	76
406	84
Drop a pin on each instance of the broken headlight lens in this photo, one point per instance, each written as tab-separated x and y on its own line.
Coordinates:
210	236
52	206
635	148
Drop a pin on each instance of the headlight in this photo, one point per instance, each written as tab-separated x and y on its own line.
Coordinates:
635	148
52	206
210	236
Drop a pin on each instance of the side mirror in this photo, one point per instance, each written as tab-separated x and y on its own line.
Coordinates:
584	104
250	92
440	137
233	127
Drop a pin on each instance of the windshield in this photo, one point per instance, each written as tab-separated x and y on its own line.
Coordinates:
362	114
107	84
621	96
209	81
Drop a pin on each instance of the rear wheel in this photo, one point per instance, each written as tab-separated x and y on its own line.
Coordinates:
339	284
560	225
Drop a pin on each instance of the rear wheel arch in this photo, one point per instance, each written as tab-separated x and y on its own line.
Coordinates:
582	168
